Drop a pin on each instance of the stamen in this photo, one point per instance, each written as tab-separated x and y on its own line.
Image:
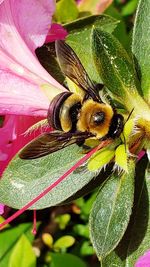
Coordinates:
53	185
34	230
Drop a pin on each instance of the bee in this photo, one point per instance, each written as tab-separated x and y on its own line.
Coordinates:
75	117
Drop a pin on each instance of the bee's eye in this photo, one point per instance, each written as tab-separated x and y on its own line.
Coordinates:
98	117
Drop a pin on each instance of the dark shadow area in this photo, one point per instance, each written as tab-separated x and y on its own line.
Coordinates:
93	184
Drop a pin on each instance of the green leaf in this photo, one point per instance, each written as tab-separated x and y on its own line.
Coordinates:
25	179
111	212
86	208
120	31
136	239
94	183
129	8
22	254
82	230
66	260
114	66
8	239
64	242
86	249
66	11
141	45
79	39
63	220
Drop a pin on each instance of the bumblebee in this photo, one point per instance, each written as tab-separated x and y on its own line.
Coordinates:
75	117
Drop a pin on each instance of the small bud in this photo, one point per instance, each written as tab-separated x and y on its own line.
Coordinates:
121	157
47	239
100	159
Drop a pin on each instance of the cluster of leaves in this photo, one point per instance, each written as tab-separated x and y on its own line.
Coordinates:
117	236
62	238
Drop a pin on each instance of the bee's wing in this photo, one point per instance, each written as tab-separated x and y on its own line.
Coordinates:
74	70
50	142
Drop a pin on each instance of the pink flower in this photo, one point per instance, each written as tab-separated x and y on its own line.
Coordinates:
144	261
25	86
24	25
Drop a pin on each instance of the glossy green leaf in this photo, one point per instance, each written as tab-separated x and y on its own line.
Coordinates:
66	11
113	65
22	254
141	45
79	39
8	239
25	179
111	212
136	239
66	260
64	242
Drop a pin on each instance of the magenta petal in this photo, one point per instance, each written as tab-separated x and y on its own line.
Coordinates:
144	261
141	154
56	32
18	96
13	136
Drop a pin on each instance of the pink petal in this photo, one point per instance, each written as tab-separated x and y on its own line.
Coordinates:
56	32
1	209
17	42
18	96
34	20
103	5
13	136
144	261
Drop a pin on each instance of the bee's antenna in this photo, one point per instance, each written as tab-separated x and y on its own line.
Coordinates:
129	116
